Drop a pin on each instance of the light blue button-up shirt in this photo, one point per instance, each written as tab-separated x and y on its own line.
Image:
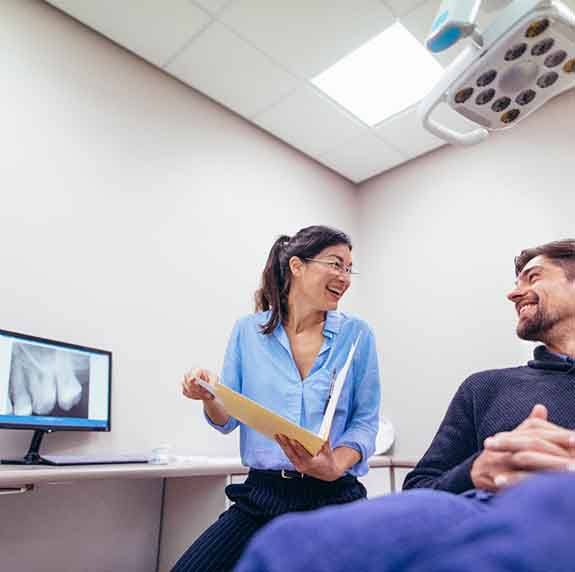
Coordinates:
262	368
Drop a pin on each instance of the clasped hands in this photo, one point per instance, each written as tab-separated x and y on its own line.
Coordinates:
534	445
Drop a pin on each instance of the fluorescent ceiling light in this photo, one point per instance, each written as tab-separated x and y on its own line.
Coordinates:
386	75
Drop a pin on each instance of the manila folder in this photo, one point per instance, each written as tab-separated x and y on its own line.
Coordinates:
260	418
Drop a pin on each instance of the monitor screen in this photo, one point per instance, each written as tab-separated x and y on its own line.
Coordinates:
50	385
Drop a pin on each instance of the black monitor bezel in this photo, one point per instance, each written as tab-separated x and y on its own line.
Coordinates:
67	345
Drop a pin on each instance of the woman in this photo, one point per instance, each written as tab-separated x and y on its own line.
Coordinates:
285	357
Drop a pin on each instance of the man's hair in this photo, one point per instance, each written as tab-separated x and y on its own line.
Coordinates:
560	252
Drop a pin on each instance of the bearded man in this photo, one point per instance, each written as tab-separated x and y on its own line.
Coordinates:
494	491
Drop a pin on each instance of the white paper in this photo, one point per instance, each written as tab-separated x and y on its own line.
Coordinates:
337	387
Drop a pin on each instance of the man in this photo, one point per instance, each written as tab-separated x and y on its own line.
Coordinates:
501	427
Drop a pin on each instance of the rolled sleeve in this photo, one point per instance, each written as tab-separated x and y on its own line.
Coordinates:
228	427
362	429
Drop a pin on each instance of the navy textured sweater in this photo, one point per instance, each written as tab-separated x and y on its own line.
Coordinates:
489	402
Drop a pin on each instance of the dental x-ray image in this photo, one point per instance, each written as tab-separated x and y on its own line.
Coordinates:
47	381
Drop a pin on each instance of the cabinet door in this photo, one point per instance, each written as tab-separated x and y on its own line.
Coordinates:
82	526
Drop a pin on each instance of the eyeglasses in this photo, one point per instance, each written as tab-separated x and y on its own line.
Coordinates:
335	266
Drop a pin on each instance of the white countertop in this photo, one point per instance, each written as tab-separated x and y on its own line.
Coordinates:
19	475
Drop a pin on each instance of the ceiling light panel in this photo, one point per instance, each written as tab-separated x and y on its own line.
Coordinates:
388	74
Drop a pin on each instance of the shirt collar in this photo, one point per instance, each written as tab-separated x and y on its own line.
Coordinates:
331	328
333	321
545	359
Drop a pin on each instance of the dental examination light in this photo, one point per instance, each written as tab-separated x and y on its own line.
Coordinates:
525	57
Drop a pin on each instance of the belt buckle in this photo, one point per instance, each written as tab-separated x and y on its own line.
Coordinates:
285	475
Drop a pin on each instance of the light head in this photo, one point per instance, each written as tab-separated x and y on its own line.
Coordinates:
524	58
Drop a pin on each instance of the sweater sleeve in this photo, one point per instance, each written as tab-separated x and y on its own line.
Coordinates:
447	463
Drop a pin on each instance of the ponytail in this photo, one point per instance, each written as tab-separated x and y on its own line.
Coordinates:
272	294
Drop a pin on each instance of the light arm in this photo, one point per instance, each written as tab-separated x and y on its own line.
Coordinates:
455	20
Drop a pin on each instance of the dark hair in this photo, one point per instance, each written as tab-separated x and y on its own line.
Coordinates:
276	277
560	252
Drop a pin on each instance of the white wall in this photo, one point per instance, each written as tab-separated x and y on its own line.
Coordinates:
136	216
438	240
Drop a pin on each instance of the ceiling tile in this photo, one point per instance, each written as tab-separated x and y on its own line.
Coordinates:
212	6
309	121
221	65
402	7
153	30
405	132
362	157
419	21
307	37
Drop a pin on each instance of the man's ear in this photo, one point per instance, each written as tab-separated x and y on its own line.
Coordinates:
295	265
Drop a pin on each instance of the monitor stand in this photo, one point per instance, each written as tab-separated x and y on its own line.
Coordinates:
33	456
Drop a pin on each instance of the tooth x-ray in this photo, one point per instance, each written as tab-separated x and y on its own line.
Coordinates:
47	381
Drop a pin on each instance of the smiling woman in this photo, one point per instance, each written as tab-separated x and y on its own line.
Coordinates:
285	356
286	264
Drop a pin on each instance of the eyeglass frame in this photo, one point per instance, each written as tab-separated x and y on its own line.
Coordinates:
336	266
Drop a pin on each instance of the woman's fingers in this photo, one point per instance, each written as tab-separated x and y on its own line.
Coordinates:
287	448
295	452
191	387
300	451
198	373
192	390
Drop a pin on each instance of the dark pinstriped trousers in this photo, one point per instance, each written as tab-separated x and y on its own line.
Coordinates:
264	496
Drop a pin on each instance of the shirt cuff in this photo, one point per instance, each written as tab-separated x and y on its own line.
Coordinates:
228	427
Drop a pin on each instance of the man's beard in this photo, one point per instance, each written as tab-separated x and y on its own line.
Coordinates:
535	329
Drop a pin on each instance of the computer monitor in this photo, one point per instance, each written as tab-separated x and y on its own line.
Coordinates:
47	386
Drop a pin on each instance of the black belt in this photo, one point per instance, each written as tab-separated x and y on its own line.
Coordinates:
281	474
295	475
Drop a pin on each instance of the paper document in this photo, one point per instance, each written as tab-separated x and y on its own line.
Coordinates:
269	423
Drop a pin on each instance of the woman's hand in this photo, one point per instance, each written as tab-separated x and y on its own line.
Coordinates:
190	387
322	466
193	390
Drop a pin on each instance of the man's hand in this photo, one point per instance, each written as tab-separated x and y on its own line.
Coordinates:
535	445
322	466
